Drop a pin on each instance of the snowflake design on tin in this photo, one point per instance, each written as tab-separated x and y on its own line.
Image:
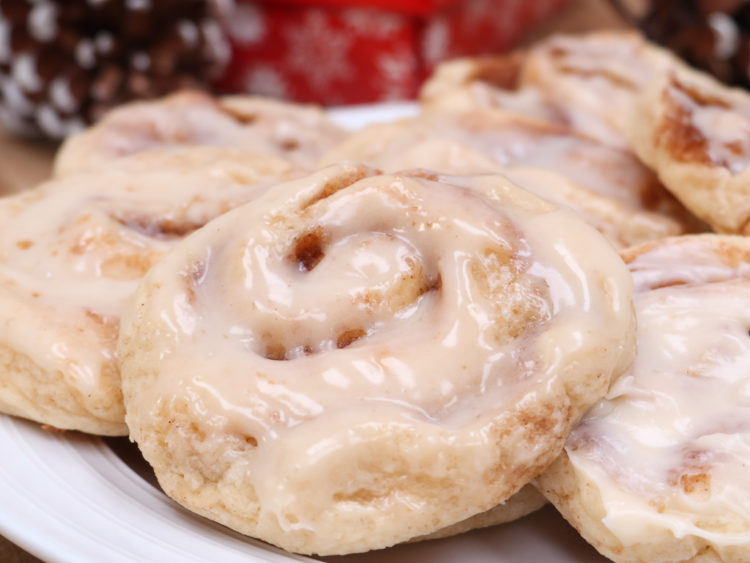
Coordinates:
371	22
395	68
247	24
319	51
435	41
266	81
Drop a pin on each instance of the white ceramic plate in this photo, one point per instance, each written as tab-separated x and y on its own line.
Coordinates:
67	497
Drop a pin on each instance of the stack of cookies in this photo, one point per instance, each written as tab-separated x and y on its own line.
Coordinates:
534	290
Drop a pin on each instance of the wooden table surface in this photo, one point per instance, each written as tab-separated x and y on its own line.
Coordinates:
25	163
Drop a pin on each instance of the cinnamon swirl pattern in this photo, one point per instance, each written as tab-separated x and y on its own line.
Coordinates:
356	359
658	470
73	250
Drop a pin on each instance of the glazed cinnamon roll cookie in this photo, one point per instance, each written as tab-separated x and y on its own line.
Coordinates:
488	141
297	133
588	81
357	359
695	133
72	251
658	470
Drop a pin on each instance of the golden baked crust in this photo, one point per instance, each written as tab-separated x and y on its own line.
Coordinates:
521	504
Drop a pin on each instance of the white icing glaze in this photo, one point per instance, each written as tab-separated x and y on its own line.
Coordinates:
507	139
74	250
695	262
250	341
669	447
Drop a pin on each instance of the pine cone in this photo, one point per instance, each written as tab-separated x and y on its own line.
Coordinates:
712	35
63	64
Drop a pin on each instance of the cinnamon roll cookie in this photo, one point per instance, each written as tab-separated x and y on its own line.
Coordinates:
695	133
356	359
588	82
72	251
625	197
658	470
297	133
493	82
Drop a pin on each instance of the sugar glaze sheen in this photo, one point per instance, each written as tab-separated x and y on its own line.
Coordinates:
357	359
